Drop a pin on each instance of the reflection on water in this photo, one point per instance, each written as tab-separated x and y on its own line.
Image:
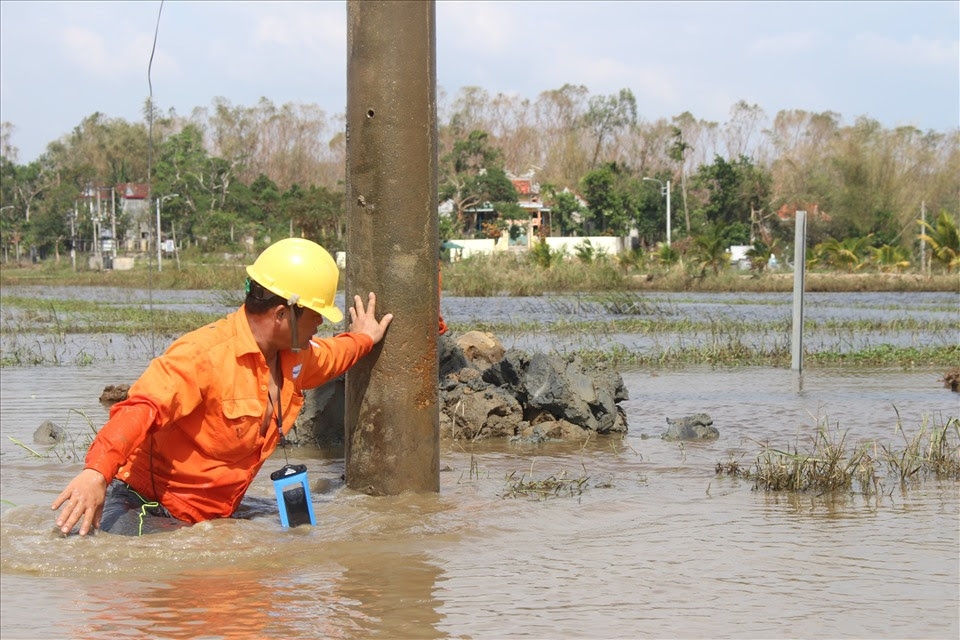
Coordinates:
352	595
657	545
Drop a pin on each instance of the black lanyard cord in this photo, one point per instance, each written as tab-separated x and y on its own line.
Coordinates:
283	440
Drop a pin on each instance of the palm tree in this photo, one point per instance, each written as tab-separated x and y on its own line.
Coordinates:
667	255
760	254
847	254
543	256
944	240
585	251
890	258
711	250
631	260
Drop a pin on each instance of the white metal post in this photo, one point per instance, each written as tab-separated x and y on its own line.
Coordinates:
113	218
668	212
160	200
799	266
159	255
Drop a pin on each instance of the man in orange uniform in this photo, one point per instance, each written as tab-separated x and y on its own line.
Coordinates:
203	418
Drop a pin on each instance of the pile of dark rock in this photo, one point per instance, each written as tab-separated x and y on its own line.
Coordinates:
488	392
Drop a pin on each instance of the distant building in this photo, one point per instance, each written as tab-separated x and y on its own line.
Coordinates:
536	219
135	207
528	197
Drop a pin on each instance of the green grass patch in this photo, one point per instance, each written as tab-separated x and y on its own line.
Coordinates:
889	355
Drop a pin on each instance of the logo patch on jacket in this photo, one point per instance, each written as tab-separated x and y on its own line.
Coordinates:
296	370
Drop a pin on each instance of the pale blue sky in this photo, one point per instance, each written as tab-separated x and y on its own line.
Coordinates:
896	62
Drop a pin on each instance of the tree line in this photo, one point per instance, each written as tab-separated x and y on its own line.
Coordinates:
264	170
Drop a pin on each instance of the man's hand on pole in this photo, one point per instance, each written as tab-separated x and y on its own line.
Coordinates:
365	320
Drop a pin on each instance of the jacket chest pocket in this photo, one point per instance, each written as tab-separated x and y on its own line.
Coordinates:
242	418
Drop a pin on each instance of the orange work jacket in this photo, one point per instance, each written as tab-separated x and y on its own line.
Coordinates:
189	432
443	325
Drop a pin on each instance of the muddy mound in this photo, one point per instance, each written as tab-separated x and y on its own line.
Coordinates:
951	379
113	393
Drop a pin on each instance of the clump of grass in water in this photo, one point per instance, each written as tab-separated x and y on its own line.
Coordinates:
831	466
623	303
828	468
17	353
554	486
732	467
931	451
942	454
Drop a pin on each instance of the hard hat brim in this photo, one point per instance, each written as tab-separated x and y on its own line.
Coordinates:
333	314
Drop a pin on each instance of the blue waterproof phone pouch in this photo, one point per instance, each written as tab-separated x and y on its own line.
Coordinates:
293	495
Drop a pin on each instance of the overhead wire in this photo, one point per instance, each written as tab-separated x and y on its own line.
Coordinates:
153	326
150	110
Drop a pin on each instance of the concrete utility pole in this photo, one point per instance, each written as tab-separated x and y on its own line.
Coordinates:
392	440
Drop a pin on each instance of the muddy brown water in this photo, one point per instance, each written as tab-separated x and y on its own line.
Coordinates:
656	545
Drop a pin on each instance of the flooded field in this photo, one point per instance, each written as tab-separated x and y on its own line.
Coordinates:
656	544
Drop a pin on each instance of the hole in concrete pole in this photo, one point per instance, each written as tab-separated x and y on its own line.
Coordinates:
370	113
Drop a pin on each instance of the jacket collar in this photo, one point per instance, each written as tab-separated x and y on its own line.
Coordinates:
241	328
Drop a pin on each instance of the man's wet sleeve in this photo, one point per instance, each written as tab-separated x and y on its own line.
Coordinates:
127	427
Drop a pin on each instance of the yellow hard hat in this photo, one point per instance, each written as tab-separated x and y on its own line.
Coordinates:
302	272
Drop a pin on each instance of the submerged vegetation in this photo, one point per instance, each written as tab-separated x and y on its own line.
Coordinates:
826	465
830	464
737	353
61	316
591	299
603	323
553	486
